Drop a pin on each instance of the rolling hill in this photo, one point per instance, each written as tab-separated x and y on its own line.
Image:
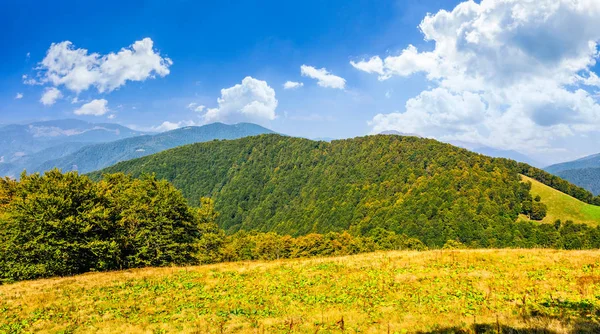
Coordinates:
98	156
591	161
564	207
296	186
584	172
587	178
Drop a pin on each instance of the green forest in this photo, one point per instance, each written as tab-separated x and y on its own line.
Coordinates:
272	197
408	185
64	224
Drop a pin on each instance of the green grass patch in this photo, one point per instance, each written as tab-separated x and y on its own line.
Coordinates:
564	207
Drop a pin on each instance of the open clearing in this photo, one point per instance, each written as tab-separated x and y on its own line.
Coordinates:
564	207
397	292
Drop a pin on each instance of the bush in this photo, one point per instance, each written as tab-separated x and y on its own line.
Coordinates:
65	224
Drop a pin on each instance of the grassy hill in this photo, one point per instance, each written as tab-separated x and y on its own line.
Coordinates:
564	207
482	291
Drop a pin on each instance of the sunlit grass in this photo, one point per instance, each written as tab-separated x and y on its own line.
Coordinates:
373	293
564	207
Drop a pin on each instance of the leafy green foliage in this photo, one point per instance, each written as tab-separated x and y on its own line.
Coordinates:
64	224
417	187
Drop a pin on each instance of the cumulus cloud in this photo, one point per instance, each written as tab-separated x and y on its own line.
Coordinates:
508	73
50	96
292	85
253	100
78	70
323	77
93	108
19	96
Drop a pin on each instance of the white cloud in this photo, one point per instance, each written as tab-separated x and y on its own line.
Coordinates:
292	85
78	71
373	65
112	116
93	108
50	96
253	100
29	81
509	74
168	126
196	107
323	77
19	96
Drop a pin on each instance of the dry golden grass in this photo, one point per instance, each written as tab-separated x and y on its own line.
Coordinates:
396	292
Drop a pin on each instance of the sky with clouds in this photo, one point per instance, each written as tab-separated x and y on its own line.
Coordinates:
509	74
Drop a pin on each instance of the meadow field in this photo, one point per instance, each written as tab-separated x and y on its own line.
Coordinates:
437	291
562	206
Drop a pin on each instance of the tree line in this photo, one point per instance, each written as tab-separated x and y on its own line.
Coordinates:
59	224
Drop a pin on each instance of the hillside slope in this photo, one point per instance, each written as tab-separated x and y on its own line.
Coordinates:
564	207
297	186
587	178
95	157
516	291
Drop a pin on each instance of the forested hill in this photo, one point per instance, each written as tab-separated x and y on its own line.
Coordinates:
296	186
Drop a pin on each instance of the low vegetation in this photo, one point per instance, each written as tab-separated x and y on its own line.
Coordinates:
440	291
64	224
564	207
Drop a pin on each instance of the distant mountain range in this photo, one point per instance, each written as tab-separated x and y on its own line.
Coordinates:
77	145
28	145
98	156
584	172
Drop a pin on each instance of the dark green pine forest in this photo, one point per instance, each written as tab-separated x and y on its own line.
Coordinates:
418	187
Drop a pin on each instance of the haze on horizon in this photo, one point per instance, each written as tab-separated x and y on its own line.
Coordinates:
512	75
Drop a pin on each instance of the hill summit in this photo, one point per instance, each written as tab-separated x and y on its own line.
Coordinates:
297	186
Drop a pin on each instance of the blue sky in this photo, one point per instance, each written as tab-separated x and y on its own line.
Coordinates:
429	90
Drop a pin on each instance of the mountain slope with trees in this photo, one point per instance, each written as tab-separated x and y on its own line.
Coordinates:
588	178
26	146
590	161
584	172
413	186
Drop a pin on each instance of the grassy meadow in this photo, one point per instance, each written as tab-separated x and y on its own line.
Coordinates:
564	207
458	291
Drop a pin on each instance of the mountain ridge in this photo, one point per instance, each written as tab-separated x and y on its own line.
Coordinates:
297	186
98	156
